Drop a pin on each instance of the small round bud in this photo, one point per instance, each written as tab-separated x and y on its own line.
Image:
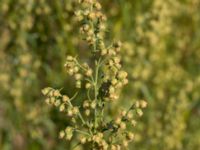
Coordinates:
97	5
91	15
86	27
51	93
111	89
47	100
143	104
71	72
70	58
119	85
78	76
129	115
70	113
116	60
133	123
114	81
83	140
52	100
61	134
57	103
62	107
102	27
69	133
118	121
45	91
87	112
139	112
137	104
125	143
90	33
122	75
130	136
88	85
113	147
86	104
56	93
123	113
103	52
65	98
100	135
78	84
125	81
75	110
93	105
122	125
88	72
76	69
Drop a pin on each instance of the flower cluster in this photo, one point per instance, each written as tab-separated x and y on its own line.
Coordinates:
113	135
93	23
102	80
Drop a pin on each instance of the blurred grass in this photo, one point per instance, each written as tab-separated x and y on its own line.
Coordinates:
161	53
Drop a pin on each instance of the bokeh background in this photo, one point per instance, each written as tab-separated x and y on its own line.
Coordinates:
161	53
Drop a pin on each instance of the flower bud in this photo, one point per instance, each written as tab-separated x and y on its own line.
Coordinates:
78	84
130	136
118	121
139	112
143	104
61	134
93	105
62	107
133	123
125	143
45	91
47	100
83	140
97	5
122	125
75	110
65	98
103	52
78	76
57	103
88	85
70	58
88	72
86	104
91	15
56	93
87	112
69	113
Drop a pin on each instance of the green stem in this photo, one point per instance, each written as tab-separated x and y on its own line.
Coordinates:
79	114
96	90
82	132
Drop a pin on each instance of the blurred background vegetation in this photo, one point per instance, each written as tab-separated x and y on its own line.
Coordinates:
161	52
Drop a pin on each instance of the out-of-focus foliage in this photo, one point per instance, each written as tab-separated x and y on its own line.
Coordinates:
163	58
34	38
161	54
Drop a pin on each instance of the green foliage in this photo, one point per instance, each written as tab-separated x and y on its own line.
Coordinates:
160	52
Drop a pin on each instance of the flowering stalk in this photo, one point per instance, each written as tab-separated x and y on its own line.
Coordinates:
103	81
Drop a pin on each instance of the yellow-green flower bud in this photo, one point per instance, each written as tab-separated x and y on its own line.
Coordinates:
65	98
62	107
61	134
93	105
